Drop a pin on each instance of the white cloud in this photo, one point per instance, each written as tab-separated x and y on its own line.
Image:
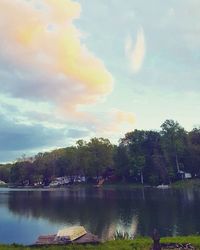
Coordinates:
49	64
43	60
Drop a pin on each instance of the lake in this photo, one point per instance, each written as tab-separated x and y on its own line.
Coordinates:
26	213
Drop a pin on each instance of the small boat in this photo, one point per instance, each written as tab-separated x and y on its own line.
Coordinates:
71	233
162	186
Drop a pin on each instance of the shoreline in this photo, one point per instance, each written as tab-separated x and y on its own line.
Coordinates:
192	183
139	243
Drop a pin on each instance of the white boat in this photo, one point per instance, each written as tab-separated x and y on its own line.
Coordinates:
71	233
162	186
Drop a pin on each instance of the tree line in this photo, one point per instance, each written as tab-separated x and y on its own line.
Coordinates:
141	156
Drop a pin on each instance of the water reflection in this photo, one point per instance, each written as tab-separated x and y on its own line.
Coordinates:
104	211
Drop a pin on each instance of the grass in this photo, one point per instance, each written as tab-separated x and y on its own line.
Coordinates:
140	243
192	183
111	245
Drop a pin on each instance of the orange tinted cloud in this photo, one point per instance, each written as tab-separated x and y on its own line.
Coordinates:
50	62
45	40
116	121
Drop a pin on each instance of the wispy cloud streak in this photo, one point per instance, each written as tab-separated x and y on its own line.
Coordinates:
136	53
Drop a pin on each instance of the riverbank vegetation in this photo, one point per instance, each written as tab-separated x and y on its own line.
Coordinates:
192	183
142	156
136	244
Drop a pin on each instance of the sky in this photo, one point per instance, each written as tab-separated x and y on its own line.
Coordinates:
76	69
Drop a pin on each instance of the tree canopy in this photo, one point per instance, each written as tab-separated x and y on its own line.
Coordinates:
143	156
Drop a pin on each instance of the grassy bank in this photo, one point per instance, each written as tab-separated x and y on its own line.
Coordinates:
136	244
193	183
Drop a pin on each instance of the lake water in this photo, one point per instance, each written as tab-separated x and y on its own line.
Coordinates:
25	214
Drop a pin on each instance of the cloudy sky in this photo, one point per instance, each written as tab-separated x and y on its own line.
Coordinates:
73	69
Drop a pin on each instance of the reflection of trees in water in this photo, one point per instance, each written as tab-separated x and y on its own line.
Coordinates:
171	211
93	209
189	207
101	211
159	211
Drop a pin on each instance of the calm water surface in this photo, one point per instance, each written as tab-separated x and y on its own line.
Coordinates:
25	214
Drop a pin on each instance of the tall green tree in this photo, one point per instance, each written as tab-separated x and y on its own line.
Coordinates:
5	172
174	143
101	155
192	157
134	143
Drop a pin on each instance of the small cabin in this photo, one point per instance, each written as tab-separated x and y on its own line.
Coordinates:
183	175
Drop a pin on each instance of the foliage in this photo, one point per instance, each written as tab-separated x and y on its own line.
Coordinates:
122	235
142	156
5	172
194	183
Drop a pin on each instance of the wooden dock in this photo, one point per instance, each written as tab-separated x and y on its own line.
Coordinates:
88	238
